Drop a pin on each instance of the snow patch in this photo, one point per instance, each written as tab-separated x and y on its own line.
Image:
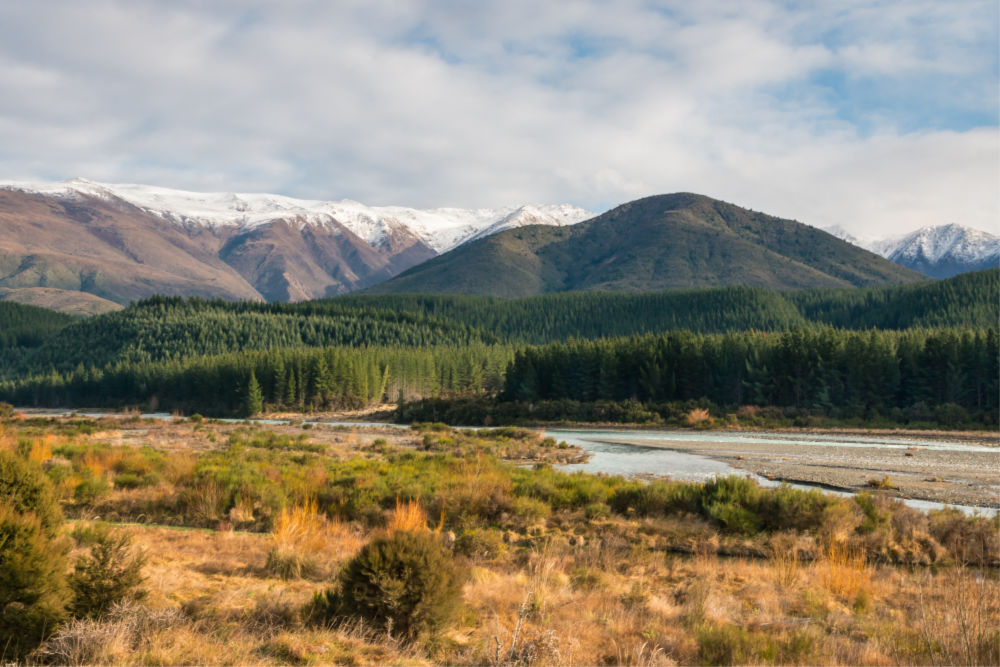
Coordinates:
442	228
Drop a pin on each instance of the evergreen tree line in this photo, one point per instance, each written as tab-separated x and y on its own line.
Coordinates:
165	328
968	300
300	379
850	373
34	340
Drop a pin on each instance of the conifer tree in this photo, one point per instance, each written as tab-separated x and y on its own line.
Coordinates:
253	401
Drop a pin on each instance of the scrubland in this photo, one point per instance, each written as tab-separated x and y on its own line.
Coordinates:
245	529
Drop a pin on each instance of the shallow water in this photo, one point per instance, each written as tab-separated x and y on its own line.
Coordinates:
664	438
618	452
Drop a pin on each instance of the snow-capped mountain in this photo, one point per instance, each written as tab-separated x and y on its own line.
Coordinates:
440	229
124	242
940	252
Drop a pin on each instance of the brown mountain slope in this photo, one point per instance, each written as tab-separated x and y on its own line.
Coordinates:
667	241
64	301
110	248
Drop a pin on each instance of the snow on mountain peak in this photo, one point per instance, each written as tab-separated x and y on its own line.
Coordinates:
440	228
949	242
938	251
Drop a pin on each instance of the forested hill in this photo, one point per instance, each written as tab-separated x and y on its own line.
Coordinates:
214	356
34	340
29	326
967	300
675	241
164	328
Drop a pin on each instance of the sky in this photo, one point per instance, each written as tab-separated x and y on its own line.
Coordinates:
877	116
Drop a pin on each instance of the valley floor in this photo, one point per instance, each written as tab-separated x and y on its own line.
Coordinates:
559	573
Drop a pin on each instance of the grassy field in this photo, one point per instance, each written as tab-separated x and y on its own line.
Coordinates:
242	526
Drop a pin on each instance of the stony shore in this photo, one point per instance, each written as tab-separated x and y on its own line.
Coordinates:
956	477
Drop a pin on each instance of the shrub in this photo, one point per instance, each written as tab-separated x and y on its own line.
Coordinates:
32	586
90	489
109	574
483	543
404	582
6	410
24	485
597	511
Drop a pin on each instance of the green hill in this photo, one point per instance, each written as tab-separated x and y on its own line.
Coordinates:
667	241
172	328
967	300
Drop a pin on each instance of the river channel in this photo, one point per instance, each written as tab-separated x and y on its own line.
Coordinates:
833	462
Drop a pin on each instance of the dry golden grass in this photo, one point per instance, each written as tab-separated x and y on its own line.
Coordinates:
99	462
532	607
620	597
41	448
408	516
843	570
305	540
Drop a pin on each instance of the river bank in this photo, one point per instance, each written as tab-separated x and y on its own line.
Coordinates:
963	470
953	467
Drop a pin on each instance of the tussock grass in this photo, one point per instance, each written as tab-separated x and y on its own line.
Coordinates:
306	542
843	570
407	516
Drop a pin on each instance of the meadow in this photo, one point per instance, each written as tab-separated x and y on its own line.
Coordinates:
246	537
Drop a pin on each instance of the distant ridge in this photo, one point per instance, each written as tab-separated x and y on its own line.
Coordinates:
943	251
667	241
125	242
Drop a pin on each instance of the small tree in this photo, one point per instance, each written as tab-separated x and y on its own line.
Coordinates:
405	582
253	399
111	573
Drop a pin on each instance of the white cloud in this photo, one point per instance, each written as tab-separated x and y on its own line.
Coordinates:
430	104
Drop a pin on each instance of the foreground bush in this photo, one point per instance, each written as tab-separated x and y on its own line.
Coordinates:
24	485
32	584
32	559
405	582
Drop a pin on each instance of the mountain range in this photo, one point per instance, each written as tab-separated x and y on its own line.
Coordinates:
84	246
125	242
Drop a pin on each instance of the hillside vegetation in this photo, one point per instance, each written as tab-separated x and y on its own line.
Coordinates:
228	358
163	328
968	300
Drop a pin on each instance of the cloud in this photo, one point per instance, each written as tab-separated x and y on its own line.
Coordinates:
863	114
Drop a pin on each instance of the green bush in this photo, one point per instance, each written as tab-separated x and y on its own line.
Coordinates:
32	584
110	573
482	543
24	485
90	489
405	582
